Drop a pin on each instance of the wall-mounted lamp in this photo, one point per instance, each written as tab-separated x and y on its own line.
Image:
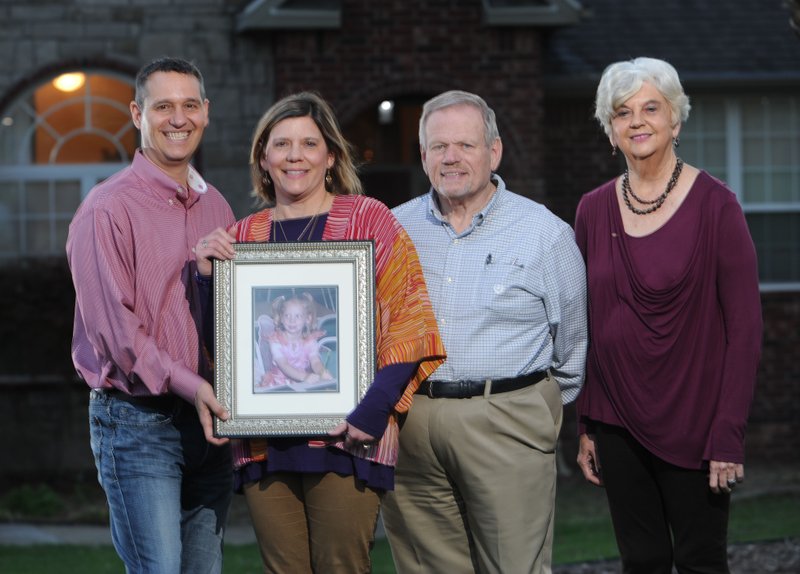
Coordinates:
70	82
385	112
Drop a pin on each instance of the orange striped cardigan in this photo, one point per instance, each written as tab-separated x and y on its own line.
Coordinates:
405	325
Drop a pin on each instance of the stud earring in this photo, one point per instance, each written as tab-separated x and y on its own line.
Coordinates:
614	151
676	141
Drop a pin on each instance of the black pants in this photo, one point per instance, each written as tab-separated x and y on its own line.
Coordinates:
661	513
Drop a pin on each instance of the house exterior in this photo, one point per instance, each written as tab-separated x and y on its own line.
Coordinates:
536	62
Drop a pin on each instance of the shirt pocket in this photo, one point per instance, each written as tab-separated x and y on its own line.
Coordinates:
503	291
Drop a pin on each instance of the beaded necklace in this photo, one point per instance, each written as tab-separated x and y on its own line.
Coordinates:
653	203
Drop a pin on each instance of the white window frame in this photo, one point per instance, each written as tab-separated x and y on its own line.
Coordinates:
22	172
734	174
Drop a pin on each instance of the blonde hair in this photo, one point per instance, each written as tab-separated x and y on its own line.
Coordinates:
343	173
306	301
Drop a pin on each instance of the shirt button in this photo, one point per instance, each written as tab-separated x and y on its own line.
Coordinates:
449	279
455	241
172	202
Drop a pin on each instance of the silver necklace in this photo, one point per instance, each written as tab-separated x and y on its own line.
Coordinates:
308	230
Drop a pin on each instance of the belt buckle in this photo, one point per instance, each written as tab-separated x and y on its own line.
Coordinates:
464	390
430	390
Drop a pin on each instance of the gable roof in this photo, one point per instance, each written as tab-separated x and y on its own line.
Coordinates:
320	14
735	42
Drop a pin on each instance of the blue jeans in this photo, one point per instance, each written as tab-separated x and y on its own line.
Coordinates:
168	489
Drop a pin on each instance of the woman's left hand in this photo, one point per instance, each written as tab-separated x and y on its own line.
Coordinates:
724	476
352	436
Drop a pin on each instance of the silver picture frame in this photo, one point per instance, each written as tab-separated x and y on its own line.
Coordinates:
335	280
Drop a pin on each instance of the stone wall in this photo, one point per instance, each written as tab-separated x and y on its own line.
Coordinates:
41	38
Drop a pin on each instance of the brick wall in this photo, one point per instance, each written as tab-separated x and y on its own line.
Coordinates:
554	152
410	47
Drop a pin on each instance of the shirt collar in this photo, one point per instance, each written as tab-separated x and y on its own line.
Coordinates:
164	185
478	218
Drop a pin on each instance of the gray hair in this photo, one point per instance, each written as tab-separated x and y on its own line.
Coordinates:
458	98
622	80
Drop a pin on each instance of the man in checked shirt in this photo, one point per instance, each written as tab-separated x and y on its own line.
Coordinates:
476	475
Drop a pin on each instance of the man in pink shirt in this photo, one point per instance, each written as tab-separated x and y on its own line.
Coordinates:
138	341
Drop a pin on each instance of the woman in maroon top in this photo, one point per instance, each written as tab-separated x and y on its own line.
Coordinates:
675	331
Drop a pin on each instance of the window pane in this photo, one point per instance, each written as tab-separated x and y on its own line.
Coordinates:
782	190
88	148
778	245
753	152
67	196
703	137
714	152
37	198
754	189
781	151
713	115
44	143
9	236
37	237
66	118
9	217
112	88
62	228
14	147
9	198
779	109
753	114
108	118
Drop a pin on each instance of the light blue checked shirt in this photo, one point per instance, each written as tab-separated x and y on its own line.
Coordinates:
509	292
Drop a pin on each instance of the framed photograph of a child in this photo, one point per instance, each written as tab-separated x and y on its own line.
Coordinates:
294	336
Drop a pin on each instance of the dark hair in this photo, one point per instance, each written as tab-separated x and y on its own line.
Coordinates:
166	64
344	177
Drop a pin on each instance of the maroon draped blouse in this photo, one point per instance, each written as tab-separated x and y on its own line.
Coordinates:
675	325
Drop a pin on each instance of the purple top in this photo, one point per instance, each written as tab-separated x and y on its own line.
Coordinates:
675	325
371	416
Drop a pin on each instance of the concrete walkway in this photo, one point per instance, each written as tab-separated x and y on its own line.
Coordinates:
25	534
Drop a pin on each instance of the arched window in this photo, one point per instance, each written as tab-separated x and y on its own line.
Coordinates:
57	140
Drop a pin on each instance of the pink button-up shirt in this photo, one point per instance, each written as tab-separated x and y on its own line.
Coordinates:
137	314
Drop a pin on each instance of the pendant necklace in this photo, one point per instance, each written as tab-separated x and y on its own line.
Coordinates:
653	204
308	231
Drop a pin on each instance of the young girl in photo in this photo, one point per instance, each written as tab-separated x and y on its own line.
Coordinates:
294	344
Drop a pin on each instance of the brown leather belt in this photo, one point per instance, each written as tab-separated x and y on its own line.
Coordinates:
467	389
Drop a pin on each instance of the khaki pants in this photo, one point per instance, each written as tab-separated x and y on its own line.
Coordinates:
475	484
313	522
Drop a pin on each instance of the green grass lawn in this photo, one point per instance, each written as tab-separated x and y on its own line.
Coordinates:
583	533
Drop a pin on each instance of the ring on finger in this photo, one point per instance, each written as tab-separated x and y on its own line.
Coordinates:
204	244
731	483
